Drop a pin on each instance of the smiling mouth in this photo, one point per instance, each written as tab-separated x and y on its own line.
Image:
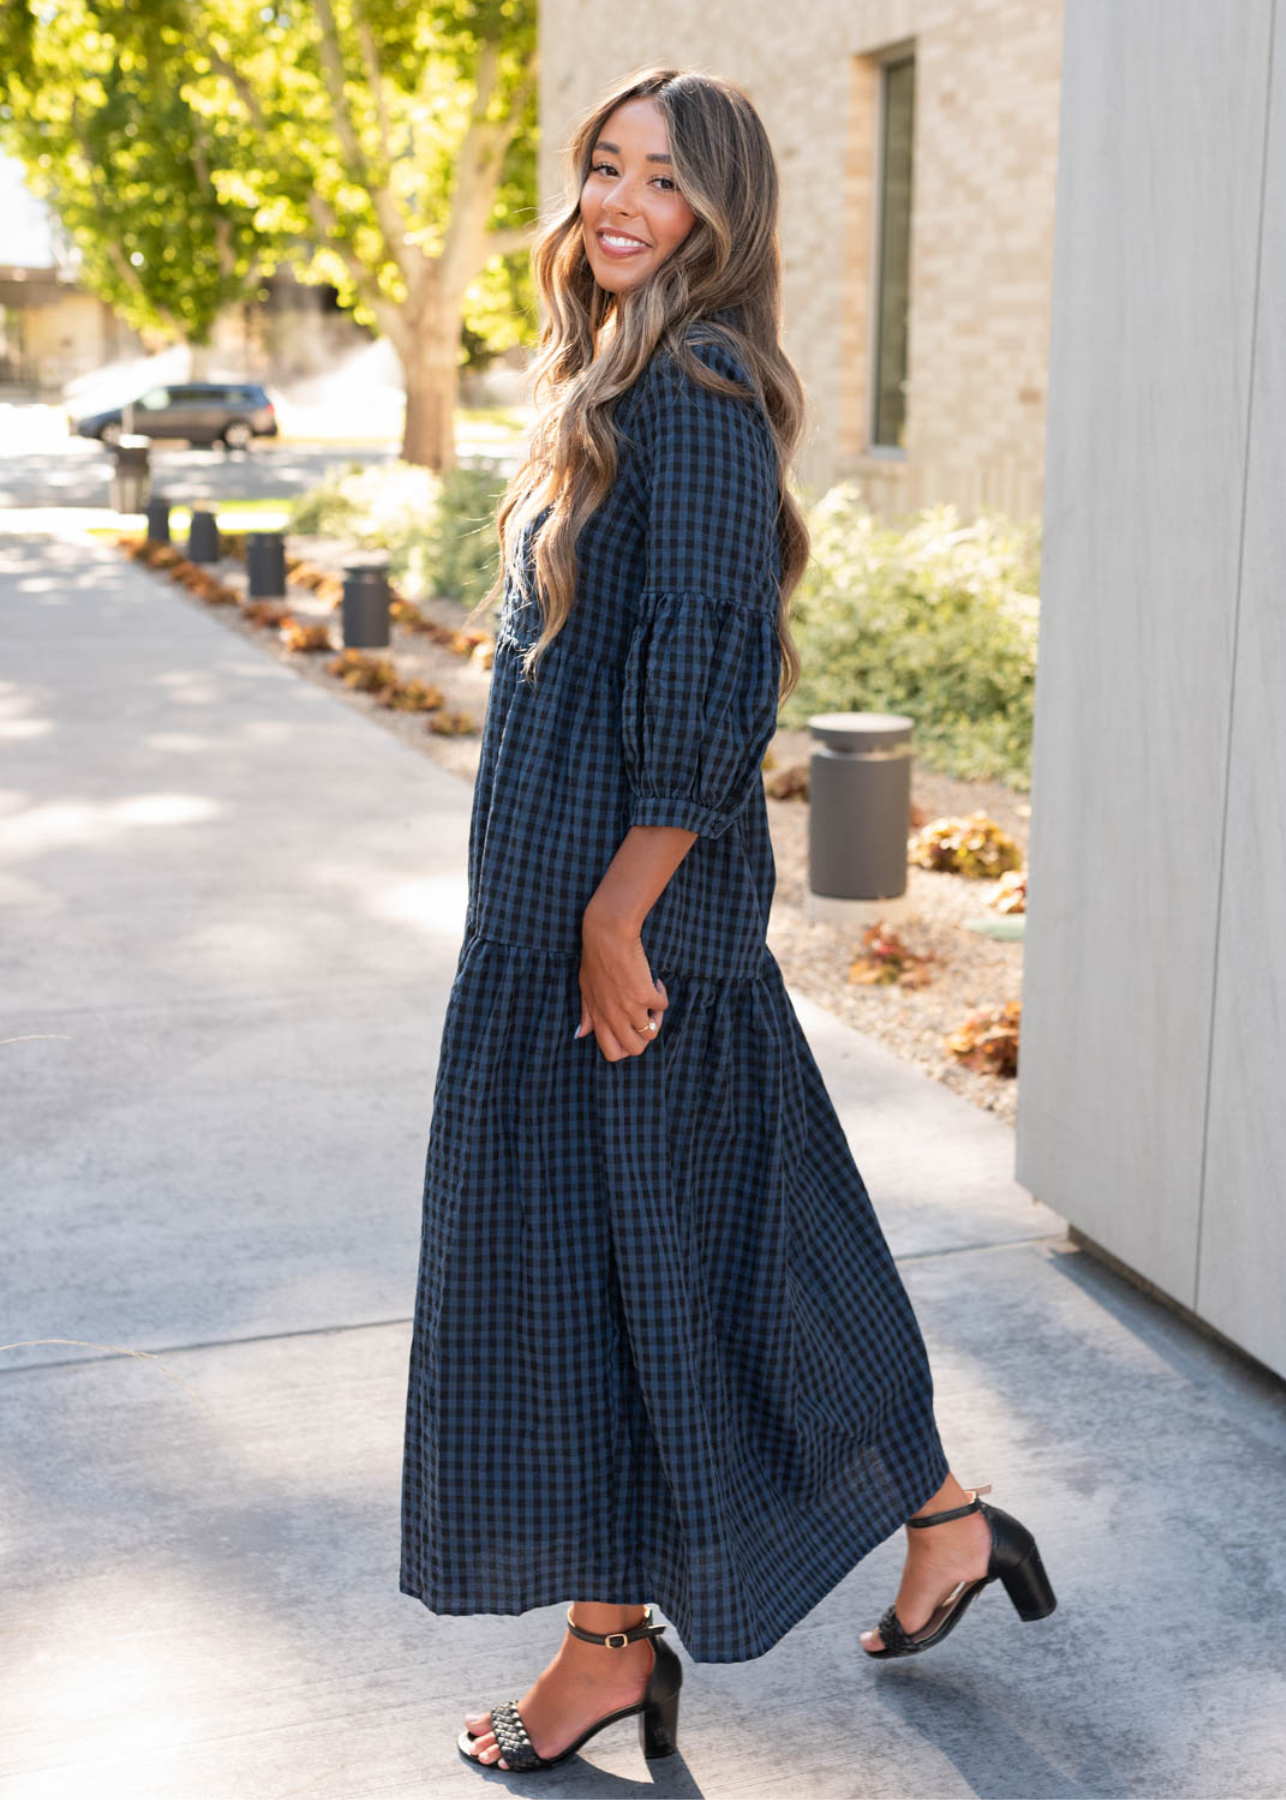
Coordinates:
623	240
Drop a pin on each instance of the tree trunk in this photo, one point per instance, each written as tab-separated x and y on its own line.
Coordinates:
432	384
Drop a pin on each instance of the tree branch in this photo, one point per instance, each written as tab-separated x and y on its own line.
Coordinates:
506	240
222	228
323	214
328	228
478	167
375	81
128	273
241	87
392	221
120	262
332	61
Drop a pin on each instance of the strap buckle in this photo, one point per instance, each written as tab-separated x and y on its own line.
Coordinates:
616	1640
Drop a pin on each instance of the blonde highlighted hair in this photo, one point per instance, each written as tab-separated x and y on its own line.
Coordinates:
594	344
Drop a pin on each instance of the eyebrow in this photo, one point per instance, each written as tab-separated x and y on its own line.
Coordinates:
652	155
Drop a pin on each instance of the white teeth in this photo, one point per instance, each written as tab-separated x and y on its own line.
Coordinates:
625	243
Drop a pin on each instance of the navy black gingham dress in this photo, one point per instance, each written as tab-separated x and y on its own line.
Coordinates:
661	1351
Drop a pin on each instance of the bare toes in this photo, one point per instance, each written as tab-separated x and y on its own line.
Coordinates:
873	1640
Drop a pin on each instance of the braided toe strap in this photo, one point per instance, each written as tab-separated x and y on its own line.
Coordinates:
896	1641
511	1735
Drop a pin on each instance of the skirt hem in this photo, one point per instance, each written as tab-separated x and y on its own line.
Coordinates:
830	1575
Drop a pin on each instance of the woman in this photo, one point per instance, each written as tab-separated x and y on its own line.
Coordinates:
661	1347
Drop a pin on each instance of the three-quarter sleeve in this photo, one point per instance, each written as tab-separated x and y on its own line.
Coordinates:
703	667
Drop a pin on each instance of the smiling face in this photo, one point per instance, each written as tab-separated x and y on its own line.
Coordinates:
632	213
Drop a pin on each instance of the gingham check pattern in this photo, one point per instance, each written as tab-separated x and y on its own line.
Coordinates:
661	1350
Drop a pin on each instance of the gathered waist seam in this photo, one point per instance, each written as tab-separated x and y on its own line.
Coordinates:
487	937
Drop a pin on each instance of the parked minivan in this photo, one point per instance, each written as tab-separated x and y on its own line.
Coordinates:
201	412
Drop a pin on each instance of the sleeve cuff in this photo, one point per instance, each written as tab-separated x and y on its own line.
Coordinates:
689	815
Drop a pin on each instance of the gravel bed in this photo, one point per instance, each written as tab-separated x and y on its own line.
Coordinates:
973	972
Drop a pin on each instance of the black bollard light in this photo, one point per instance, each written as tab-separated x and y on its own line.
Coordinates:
203	539
266	565
158	520
131	482
366	605
859	805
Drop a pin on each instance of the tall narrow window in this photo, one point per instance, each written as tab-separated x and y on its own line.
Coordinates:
892	299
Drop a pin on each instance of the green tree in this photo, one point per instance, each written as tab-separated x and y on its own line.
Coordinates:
99	118
382	146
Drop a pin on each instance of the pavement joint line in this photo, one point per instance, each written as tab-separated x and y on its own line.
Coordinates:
233	1343
307	1331
1037	1237
218	997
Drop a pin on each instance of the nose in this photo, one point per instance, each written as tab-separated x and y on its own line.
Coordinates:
618	199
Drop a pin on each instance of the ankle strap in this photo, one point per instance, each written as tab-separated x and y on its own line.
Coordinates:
956	1512
616	1640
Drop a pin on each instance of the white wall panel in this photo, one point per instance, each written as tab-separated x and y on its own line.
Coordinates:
1241	1286
1156	247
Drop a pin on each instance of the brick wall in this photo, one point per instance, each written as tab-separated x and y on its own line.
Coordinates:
985	151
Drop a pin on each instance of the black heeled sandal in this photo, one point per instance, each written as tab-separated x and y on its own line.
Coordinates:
1014	1560
658	1710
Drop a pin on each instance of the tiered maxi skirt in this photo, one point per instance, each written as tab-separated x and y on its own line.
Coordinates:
661	1352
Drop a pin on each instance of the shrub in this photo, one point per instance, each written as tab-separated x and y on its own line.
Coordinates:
988	1041
974	846
935	619
375	504
439	530
453	552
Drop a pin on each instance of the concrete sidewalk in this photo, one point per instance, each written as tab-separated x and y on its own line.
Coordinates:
231	910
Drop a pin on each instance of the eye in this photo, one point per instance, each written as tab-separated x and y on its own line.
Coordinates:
608	168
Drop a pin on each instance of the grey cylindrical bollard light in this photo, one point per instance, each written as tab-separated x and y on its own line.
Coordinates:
203	538
366	605
859	811
131	483
266	565
158	520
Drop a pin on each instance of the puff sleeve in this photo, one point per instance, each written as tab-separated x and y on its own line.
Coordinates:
703	666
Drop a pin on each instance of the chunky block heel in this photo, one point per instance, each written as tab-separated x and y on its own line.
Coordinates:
659	1727
1014	1560
1028	1587
658	1710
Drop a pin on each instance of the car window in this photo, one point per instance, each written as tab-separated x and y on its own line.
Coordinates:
188	396
155	400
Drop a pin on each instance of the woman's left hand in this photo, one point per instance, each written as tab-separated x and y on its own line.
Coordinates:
619	999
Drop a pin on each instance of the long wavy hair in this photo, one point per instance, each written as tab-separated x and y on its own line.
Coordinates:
594	344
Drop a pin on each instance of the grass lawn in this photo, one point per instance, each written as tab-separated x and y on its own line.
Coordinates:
507	418
230	515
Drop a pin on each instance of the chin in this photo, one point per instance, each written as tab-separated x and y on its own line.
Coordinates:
615	280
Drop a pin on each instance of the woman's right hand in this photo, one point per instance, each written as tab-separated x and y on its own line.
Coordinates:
619	999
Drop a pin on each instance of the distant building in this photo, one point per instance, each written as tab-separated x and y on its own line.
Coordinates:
917	142
52	331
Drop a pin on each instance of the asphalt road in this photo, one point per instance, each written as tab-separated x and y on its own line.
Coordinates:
41	465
